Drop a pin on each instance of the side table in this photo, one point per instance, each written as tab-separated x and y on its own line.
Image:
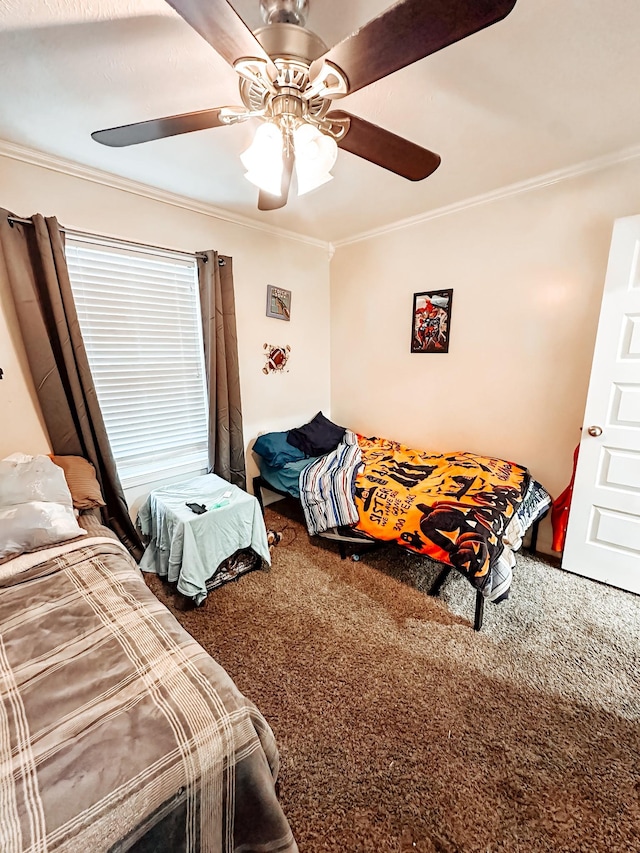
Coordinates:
186	548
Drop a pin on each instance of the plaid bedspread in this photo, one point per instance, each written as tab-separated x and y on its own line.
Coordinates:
112	717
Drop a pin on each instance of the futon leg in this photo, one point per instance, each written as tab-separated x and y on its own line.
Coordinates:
257	491
477	622
534	536
437	584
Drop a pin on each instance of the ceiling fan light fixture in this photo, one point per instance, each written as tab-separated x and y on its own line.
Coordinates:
263	159
289	78
308	182
316	155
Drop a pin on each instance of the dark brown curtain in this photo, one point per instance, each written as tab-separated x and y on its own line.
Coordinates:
37	271
217	303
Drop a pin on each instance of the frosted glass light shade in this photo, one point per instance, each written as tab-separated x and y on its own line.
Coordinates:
316	155
263	159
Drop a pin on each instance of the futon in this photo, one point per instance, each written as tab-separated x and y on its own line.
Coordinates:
467	511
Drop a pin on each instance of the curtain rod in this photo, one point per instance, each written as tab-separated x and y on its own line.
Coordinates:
22	221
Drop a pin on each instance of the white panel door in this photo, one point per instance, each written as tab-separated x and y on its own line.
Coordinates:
603	535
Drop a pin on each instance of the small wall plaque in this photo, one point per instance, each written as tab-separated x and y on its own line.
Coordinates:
278	303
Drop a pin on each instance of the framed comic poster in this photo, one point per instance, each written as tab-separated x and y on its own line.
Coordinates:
278	303
431	321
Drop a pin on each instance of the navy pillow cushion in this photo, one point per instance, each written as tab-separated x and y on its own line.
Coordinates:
318	437
276	450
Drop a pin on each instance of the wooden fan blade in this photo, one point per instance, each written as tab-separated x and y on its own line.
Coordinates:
407	32
219	24
159	128
267	201
385	149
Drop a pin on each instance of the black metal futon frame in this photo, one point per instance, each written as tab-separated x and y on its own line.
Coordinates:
260	483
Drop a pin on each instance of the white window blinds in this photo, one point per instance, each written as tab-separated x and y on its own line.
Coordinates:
139	315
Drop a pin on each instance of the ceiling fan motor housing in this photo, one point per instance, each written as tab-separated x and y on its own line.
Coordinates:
284	11
290	41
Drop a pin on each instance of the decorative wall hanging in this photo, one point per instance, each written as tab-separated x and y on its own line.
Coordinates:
278	303
431	321
277	358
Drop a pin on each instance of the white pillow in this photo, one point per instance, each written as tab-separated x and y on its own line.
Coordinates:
34	524
36	479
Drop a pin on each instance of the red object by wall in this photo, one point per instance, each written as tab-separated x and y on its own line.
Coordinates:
560	510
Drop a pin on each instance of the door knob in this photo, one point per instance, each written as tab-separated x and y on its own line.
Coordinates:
595	431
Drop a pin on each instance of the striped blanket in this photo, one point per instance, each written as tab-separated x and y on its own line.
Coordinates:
327	486
117	730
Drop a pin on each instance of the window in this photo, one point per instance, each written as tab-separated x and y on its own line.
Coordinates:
139	314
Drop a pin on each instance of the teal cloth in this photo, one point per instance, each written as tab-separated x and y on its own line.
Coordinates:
286	478
186	548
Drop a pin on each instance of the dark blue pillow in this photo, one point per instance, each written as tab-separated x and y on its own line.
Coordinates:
276	450
318	437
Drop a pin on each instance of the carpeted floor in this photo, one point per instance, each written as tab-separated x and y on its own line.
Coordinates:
400	728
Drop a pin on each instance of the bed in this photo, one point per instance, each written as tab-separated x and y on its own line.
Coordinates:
118	732
466	511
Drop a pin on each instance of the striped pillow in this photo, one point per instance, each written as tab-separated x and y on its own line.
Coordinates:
81	479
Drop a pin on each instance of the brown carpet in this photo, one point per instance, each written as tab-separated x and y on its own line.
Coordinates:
400	728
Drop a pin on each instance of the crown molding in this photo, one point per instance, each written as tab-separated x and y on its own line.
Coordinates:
546	180
54	163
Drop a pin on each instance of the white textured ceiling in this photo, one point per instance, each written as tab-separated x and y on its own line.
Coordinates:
554	84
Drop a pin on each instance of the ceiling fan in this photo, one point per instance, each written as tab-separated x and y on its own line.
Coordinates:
289	79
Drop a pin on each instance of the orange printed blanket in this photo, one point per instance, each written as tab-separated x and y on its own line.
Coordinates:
454	507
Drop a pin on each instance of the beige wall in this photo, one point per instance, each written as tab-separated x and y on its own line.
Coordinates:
527	274
269	402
